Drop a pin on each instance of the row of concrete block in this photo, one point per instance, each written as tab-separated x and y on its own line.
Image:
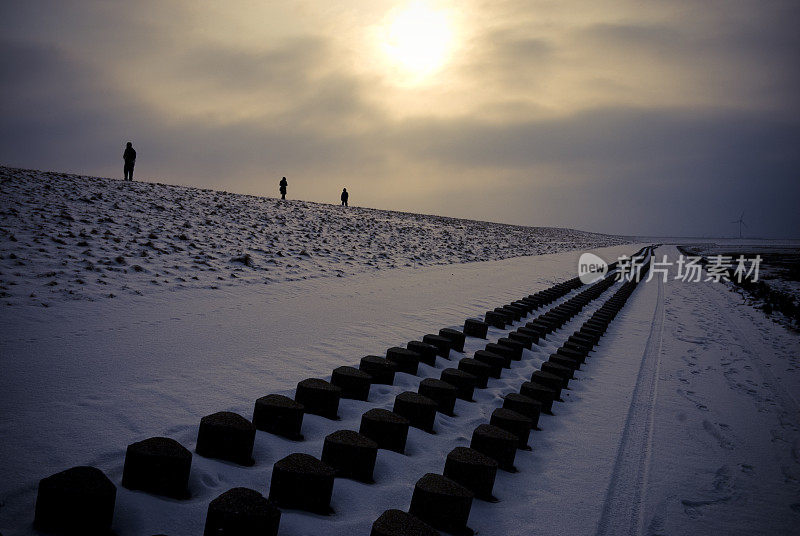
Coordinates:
81	499
161	465
444	501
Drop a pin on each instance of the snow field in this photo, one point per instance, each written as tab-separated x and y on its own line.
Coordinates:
688	421
68	237
430	449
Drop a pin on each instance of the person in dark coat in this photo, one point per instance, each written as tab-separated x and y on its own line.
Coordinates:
129	156
283	184
345	196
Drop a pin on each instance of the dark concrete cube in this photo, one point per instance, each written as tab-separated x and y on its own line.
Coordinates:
319	397
496	319
464	382
603	316
516	346
510	312
442	503
533	334
496	443
481	371
574	354
534	300
493	361
473	470
388	429
591	335
242	512
524	304
564	361
519	311
427	352
508	354
565	373
418	409
158	465
586	336
354	383
475	328
457	338
525	406
443	393
226	436
541	393
76	501
443	344
582	339
571	307
534	329
542	325
381	370
592	332
598	325
351	454
399	523
551	320
404	359
516	423
524	340
550	381
584	349
302	482
279	415
546	321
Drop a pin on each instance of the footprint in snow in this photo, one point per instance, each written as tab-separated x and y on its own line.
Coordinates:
717	434
722	491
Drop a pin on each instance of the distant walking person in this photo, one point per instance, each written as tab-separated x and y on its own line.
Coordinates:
345	196
129	156
283	184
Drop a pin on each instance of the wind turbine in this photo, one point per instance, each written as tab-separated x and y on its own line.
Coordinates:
741	222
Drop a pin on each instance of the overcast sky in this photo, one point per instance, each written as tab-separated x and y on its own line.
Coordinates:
665	117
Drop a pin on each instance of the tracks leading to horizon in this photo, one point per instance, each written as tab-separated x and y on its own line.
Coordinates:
622	512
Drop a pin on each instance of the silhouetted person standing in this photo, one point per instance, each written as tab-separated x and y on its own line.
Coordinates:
345	197
283	184
129	156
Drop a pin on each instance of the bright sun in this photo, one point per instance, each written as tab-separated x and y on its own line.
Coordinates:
419	38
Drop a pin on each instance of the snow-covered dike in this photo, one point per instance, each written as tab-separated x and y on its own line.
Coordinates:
67	236
684	419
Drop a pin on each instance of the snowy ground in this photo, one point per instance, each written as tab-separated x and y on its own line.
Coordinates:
684	420
724	447
67	236
85	379
779	269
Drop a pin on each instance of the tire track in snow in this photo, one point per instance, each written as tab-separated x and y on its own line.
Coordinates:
622	509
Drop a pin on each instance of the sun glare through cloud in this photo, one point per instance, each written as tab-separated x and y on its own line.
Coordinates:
419	39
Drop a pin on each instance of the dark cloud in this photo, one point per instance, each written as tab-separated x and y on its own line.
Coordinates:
605	136
79	125
749	59
627	168
609	165
289	67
